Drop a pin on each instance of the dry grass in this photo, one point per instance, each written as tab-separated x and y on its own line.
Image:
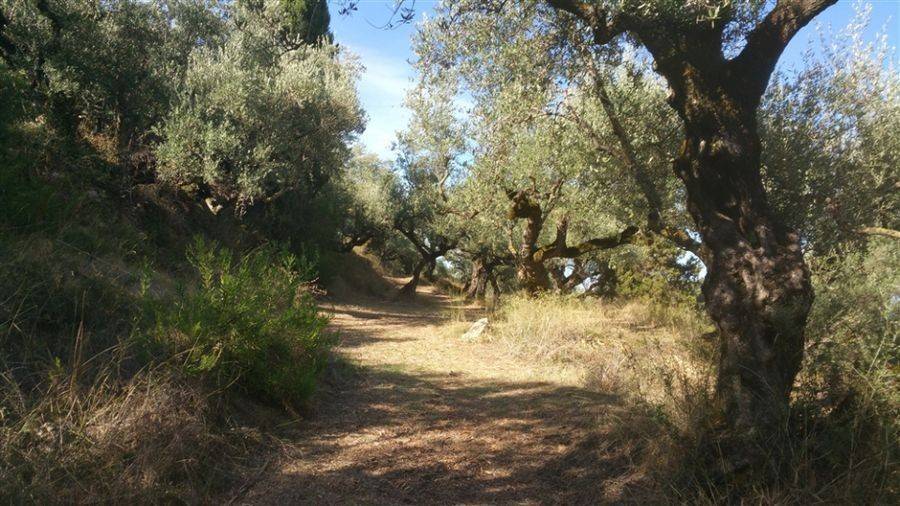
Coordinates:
89	412
660	361
423	417
153	438
359	272
655	360
650	353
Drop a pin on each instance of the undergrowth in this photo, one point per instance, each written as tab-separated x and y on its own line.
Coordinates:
660	361
117	376
249	323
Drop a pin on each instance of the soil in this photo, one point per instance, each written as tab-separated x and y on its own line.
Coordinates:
411	414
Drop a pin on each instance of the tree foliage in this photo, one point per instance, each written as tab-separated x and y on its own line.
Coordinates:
831	143
370	196
256	119
107	67
307	20
579	142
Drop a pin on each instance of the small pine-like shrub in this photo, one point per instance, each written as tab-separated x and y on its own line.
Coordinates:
251	323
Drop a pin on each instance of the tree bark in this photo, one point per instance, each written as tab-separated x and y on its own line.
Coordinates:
757	287
531	269
577	276
531	272
478	283
429	250
495	289
606	281
409	289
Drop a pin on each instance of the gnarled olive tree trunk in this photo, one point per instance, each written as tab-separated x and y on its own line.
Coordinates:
757	287
430	249
531	259
484	267
479	281
530	271
424	266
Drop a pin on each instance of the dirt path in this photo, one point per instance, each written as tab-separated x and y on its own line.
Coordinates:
412	415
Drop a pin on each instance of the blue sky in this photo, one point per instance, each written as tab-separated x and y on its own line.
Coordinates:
386	55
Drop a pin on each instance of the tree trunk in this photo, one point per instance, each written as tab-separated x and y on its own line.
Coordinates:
495	289
533	275
531	272
757	288
409	289
606	281
558	276
478	283
430	266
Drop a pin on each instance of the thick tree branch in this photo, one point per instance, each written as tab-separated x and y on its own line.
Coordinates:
767	41
604	26
884	232
56	22
682	239
576	277
560	250
427	249
654	221
648	189
522	205
577	8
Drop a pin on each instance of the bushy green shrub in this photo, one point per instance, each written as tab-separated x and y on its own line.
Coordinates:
658	272
848	395
250	323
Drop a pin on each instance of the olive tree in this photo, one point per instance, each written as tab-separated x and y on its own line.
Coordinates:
256	119
108	68
757	287
571	146
716	58
369	195
831	133
430	159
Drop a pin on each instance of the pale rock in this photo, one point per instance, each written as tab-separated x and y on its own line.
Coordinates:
475	330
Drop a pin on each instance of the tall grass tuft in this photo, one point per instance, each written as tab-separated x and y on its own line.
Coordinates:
613	343
148	439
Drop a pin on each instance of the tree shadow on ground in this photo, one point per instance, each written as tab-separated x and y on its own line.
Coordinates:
382	436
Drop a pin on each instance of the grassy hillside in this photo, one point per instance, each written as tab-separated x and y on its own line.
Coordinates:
130	324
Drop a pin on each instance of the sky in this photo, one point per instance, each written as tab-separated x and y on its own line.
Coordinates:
386	54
